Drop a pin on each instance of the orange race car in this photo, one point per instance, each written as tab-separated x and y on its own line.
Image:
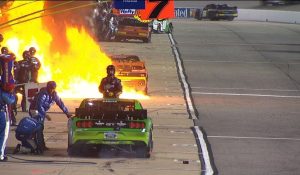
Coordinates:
131	71
131	28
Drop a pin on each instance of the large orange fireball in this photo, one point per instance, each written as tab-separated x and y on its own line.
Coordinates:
68	53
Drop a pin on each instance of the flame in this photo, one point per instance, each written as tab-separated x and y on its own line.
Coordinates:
78	69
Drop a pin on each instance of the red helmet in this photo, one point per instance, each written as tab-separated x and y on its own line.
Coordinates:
32	51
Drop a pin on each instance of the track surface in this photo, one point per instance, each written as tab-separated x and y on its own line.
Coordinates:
245	81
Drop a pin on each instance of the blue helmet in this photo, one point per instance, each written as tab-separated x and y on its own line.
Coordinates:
51	85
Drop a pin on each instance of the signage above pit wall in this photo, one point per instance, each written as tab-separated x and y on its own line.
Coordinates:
129	4
126	11
185	12
157	9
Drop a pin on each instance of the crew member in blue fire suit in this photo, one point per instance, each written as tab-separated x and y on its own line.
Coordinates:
42	102
110	86
6	98
28	132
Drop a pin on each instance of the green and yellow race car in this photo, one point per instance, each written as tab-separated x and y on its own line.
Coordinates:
120	123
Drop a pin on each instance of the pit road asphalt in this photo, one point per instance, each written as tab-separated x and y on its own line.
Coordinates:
175	149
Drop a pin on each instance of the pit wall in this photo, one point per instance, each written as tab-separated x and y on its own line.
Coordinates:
250	15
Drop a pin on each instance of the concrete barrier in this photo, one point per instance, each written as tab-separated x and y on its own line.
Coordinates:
268	15
250	15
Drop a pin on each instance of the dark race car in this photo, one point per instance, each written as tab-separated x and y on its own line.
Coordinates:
217	12
118	123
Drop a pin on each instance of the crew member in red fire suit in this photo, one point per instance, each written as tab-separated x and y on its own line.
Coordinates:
35	65
7	97
7	60
42	102
110	86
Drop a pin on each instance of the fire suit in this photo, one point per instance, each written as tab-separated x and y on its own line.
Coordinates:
7	64
110	87
5	99
35	65
28	132
21	71
42	103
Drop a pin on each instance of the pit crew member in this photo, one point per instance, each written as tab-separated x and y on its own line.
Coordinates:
110	85
42	102
28	132
6	98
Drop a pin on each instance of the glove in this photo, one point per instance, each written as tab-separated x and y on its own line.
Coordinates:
107	87
69	115
48	117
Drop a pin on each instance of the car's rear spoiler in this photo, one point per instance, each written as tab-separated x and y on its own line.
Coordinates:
100	114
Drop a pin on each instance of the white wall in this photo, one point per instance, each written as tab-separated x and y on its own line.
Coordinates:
268	15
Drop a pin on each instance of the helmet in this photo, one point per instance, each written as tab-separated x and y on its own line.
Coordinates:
1	37
26	55
4	50
51	85
32	51
111	70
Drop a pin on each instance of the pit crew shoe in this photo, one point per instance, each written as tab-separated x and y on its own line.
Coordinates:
4	159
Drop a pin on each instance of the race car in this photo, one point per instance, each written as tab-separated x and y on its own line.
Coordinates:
217	12
118	123
125	58
131	71
131	28
162	26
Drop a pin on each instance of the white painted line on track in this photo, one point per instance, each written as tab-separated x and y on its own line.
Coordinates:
251	95
183	79
256	138
203	145
208	167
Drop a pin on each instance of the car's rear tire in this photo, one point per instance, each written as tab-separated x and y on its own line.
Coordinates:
230	18
147	40
144	151
72	151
